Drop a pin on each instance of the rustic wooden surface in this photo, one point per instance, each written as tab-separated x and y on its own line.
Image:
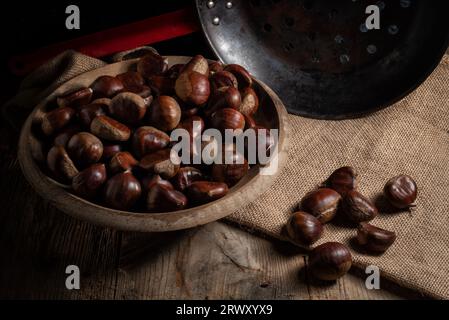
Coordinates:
217	261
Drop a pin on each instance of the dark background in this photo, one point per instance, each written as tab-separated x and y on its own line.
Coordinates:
26	26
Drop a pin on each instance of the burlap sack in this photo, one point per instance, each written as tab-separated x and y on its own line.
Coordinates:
410	137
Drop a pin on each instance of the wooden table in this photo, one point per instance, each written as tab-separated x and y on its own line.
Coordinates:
216	261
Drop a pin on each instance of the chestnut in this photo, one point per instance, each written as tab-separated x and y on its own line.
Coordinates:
106	87
186	176
160	162
227	118
250	102
75	99
152	64
201	192
131	80
161	198
321	203
122	191
88	182
243	77
85	149
56	119
122	161
61	165
128	107
174	71
165	113
214	67
263	138
342	180
64	136
109	129
103	102
146	140
148	181
38	149
304	228
249	122
162	85
197	64
225	97
401	191
374	239
222	79
357	208
193	125
187	112
109	150
143	92
232	168
330	261
193	88
87	113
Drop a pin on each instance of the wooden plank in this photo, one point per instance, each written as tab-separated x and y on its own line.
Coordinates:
217	261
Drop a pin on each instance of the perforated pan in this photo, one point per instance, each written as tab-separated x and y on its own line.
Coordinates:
320	57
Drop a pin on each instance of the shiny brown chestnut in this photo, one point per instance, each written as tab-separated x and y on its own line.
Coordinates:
163	162
85	149
342	180
109	129
250	102
174	71
128	107
152	64
214	67
358	208
165	113
61	165
122	191
249	122
109	150
131	80
64	136
232	168
197	64
321	203
201	192
227	118
304	228
106	87
264	139
243	77
75	99
225	97
164	199
222	79
193	88
186	176
330	261
103	102
193	125
88	182
89	112
374	239
122	161
149	181
162	85
147	139
56	119
401	191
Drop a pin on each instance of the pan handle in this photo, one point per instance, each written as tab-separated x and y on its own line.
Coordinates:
152	30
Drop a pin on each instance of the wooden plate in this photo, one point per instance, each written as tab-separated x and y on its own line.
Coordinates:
271	112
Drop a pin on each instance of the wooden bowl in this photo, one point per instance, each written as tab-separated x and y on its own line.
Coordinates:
271	112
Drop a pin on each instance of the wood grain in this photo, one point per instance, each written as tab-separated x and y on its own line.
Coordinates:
216	261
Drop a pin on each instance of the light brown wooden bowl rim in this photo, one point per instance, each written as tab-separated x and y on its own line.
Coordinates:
247	191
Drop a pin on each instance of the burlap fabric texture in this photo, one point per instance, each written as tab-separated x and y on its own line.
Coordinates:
410	137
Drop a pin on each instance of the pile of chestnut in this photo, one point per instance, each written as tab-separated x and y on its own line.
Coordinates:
338	198
110	141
